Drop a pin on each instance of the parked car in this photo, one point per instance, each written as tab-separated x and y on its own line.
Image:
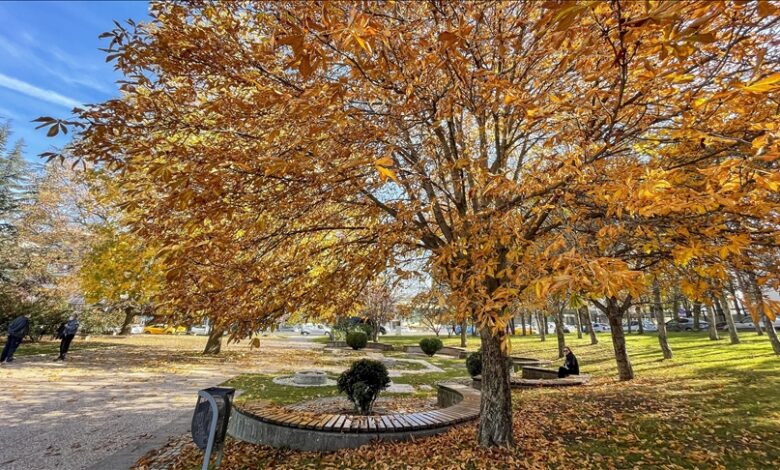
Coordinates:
136	329
200	329
685	324
646	326
746	323
162	329
312	329
598	328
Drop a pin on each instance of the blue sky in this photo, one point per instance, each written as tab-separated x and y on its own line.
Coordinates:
50	62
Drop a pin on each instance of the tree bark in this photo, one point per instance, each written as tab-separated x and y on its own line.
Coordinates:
559	332
724	305
747	288
585	313
129	314
659	319
713	331
495	419
512	325
542	328
463	326
615	317
628	321
733	292
214	344
641	328
578	324
522	319
675	305
696	313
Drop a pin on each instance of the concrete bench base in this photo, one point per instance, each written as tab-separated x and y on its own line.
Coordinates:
532	372
328	432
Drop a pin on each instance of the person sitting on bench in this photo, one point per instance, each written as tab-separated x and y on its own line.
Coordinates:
570	366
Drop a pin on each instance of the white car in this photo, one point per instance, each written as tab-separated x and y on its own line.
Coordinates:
598	328
312	329
747	323
200	330
646	326
136	329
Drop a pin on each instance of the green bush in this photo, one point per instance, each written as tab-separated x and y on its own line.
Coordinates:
357	339
362	383
430	346
474	363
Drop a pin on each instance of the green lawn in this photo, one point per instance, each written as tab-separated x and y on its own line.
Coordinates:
715	405
260	388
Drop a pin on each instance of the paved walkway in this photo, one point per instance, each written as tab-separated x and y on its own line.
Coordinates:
102	403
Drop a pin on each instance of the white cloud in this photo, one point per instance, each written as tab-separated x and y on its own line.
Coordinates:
35	92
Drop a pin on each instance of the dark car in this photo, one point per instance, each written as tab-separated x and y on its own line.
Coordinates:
685	324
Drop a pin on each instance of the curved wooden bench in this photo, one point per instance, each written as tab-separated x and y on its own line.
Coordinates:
299	430
570	381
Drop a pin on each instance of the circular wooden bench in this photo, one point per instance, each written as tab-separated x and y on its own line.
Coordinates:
299	430
518	382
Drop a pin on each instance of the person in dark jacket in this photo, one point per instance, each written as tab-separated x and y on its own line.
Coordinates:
67	331
570	366
17	330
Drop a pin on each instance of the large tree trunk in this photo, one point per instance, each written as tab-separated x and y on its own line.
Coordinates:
585	313
214	344
724	306
129	314
713	331
512	325
675	305
659	319
495	419
615	317
463	326
578	324
542	328
559	332
696	313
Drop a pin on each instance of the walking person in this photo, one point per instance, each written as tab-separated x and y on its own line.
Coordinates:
67	331
17	330
570	366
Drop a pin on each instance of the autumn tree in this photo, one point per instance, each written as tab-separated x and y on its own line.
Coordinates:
430	307
378	303
282	153
120	274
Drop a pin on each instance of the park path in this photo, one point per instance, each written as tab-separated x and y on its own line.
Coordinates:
78	414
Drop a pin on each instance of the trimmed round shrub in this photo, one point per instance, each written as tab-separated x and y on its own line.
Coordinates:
431	346
362	383
357	339
474	363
